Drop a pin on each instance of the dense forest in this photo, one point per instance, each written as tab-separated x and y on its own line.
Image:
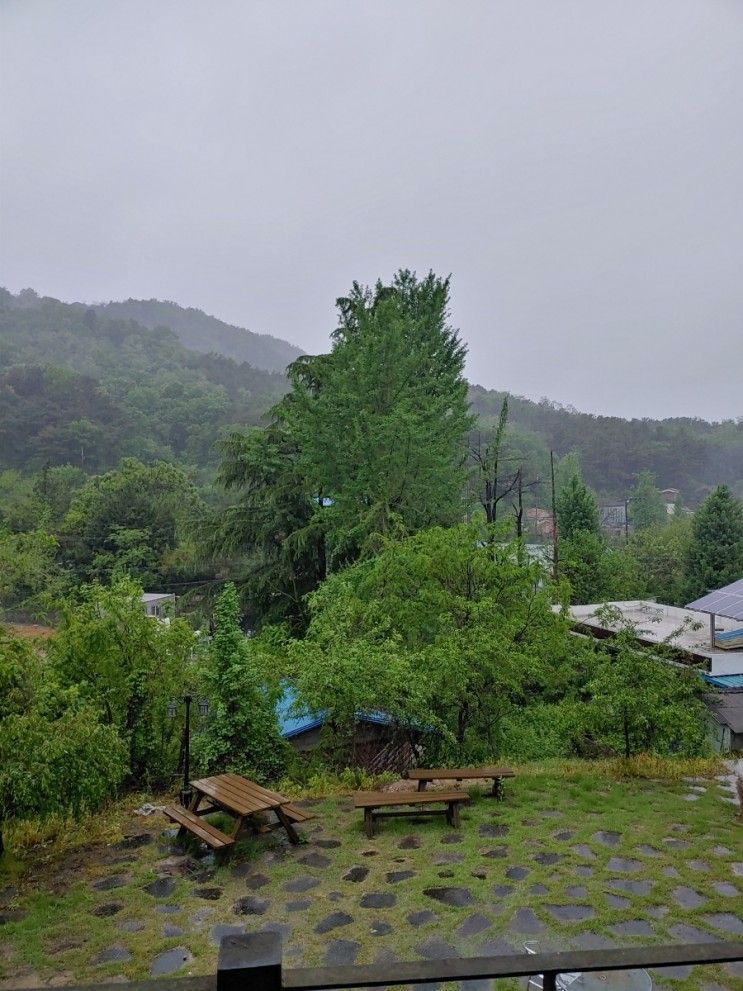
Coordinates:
150	379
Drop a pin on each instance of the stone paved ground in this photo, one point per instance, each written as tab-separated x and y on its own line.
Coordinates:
574	862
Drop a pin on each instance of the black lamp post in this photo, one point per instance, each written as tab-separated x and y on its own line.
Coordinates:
187	791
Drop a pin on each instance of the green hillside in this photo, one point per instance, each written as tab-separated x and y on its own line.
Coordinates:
80	388
200	332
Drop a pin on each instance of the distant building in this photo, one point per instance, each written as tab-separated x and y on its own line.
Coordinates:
379	742
159	605
726	710
539	522
670	498
613	518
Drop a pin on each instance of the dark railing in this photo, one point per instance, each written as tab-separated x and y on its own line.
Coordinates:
252	962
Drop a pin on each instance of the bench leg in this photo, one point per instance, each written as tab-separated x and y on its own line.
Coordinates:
422	785
369	822
193	806
454	813
498	788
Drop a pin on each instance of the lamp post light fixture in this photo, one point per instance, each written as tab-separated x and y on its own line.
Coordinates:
203	706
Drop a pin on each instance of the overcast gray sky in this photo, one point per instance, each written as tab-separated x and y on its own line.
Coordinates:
576	165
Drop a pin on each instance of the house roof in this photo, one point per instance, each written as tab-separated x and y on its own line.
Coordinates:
727	709
295	719
157	596
725	680
726	601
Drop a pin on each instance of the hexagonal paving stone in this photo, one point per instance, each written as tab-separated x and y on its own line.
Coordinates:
635	927
341	952
110	882
250	905
583	851
525	921
299	905
493	829
256	881
576	891
701	866
169	930
616	901
494	853
112	954
689	934
378	899
472	925
446	874
538	889
632	887
302	883
447	858
370	853
546	859
670	872
435	949
380	928
592	941
327	844
607	837
395	877
356	874
687	897
571	913
623	865
502	890
218	932
648	851
162	887
480	874
726	890
725	921
170	961
452	838
209	894
675	844
517	873
167	909
409	843
333	921
107	909
564	834
456	897
421	918
131	926
315	860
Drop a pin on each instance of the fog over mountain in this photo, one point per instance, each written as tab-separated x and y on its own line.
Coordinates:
575	166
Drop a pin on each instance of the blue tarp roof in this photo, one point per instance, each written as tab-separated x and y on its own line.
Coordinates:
294	720
724	680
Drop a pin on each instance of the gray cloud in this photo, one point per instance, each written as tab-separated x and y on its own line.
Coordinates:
576	166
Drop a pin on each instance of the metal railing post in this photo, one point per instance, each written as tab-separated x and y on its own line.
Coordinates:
252	960
548	980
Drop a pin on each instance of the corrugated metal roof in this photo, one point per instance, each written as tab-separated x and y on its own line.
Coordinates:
294	719
725	680
728	710
726	601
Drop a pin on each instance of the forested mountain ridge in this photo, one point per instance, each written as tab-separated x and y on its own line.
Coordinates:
688	454
89	385
200	332
80	388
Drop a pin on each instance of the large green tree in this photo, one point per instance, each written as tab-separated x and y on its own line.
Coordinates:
577	510
647	507
443	629
373	435
715	553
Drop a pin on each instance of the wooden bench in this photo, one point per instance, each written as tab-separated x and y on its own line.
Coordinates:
373	801
425	774
204	831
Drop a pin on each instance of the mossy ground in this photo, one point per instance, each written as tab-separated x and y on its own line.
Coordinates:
672	850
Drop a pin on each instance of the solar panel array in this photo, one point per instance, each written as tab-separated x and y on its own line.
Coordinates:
727	601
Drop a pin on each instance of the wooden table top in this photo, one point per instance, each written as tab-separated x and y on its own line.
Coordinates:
238	795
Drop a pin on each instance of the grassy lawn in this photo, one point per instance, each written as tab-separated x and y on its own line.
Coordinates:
570	858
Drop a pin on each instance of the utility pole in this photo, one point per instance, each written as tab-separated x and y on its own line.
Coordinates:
555	553
626	521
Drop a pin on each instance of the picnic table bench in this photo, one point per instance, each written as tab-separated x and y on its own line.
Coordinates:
240	799
373	802
425	774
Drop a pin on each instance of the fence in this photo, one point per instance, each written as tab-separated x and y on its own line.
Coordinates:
252	962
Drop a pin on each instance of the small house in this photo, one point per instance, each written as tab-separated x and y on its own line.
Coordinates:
159	605
726	712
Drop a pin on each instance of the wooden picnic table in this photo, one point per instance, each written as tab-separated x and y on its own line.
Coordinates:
239	798
425	774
